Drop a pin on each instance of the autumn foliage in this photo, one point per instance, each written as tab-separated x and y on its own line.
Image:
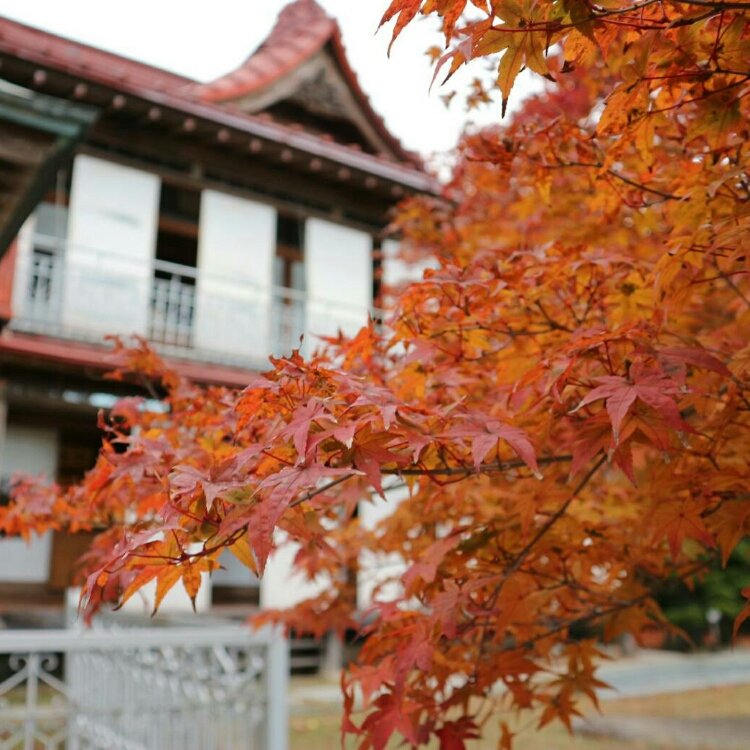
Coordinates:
562	401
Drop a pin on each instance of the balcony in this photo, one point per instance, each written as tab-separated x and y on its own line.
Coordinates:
79	293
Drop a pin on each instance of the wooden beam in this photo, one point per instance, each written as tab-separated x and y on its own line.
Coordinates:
21	146
168	153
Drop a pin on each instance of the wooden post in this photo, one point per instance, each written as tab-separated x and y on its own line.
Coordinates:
3	422
333	655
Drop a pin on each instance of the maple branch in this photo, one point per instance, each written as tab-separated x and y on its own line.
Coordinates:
320	490
553	323
497	466
605	16
521	556
553	519
718	6
645	188
703	97
228	542
619	607
601	11
627	180
268	453
730	283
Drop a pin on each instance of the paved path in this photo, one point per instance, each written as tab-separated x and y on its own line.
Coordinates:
715	733
644	673
651	672
313	694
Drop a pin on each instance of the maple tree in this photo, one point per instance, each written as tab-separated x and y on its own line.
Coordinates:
562	402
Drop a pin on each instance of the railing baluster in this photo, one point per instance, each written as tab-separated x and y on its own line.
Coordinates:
172	309
32	697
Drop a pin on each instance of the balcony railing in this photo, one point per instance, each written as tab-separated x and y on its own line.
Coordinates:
235	321
287	319
172	304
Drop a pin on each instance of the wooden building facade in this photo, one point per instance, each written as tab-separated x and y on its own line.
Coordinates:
219	220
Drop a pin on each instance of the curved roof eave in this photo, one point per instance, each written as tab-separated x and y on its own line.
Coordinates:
301	31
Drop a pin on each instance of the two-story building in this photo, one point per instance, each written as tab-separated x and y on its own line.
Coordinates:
219	220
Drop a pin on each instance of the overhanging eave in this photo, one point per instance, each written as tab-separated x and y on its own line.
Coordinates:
37	136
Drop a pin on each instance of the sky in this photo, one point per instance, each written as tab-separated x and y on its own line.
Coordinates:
204	39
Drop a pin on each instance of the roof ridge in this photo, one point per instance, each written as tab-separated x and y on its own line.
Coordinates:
302	11
302	28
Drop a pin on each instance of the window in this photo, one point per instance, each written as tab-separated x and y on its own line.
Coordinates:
48	251
45	276
289	269
289	283
177	238
173	293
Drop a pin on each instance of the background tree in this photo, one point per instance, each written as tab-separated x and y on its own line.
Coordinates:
690	607
565	398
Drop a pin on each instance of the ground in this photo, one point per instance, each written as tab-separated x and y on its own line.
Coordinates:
714	718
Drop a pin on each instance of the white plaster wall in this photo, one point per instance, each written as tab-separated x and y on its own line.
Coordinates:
338	268
22	271
236	248
112	226
379	575
27	450
233	573
281	585
396	272
176	599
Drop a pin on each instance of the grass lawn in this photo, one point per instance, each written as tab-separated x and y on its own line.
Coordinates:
319	730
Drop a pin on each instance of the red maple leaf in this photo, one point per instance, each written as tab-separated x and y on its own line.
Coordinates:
653	388
595	435
453	734
370	452
427	566
277	491
678	520
696	356
445	607
390	715
485	433
298	428
187	480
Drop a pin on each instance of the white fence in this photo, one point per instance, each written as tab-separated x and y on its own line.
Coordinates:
154	688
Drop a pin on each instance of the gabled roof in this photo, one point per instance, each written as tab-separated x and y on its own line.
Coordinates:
302	32
302	29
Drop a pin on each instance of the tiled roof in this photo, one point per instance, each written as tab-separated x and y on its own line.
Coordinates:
302	29
159	87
